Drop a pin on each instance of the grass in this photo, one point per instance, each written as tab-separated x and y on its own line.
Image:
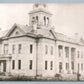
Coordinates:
26	78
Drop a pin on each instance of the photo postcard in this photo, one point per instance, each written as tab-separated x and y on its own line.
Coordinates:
42	42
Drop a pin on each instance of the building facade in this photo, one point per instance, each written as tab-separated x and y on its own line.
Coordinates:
37	50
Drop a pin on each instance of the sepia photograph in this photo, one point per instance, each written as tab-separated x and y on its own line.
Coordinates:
42	42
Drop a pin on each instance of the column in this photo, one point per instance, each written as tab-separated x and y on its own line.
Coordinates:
75	61
70	66
63	59
57	59
8	66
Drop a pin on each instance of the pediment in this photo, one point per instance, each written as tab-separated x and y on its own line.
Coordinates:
15	31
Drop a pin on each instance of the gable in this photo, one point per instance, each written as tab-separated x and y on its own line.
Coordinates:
15	31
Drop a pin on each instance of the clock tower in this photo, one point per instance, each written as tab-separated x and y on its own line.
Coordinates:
40	16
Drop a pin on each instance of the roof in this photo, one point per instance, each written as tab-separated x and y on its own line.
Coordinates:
40	10
3	33
25	28
44	32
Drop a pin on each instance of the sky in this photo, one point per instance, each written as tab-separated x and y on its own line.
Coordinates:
67	18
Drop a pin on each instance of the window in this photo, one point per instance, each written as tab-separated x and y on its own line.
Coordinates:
46	49
47	20
5	48
72	65
19	48
67	52
31	48
60	51
82	66
81	54
72	53
51	65
17	32
13	64
30	66
67	66
44	20
60	67
78	54
37	19
33	20
78	66
19	64
13	49
51	50
45	65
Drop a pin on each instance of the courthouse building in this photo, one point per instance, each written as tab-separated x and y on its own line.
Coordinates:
37	50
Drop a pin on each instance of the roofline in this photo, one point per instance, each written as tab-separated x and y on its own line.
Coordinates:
17	37
27	36
39	11
40	37
70	42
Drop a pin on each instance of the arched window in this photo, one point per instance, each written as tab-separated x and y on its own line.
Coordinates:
44	20
33	20
33	17
37	19
47	20
60	50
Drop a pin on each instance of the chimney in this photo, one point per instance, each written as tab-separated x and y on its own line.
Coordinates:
77	36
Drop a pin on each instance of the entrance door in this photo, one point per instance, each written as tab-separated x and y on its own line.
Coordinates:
4	66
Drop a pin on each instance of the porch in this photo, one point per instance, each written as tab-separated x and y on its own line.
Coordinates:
5	61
